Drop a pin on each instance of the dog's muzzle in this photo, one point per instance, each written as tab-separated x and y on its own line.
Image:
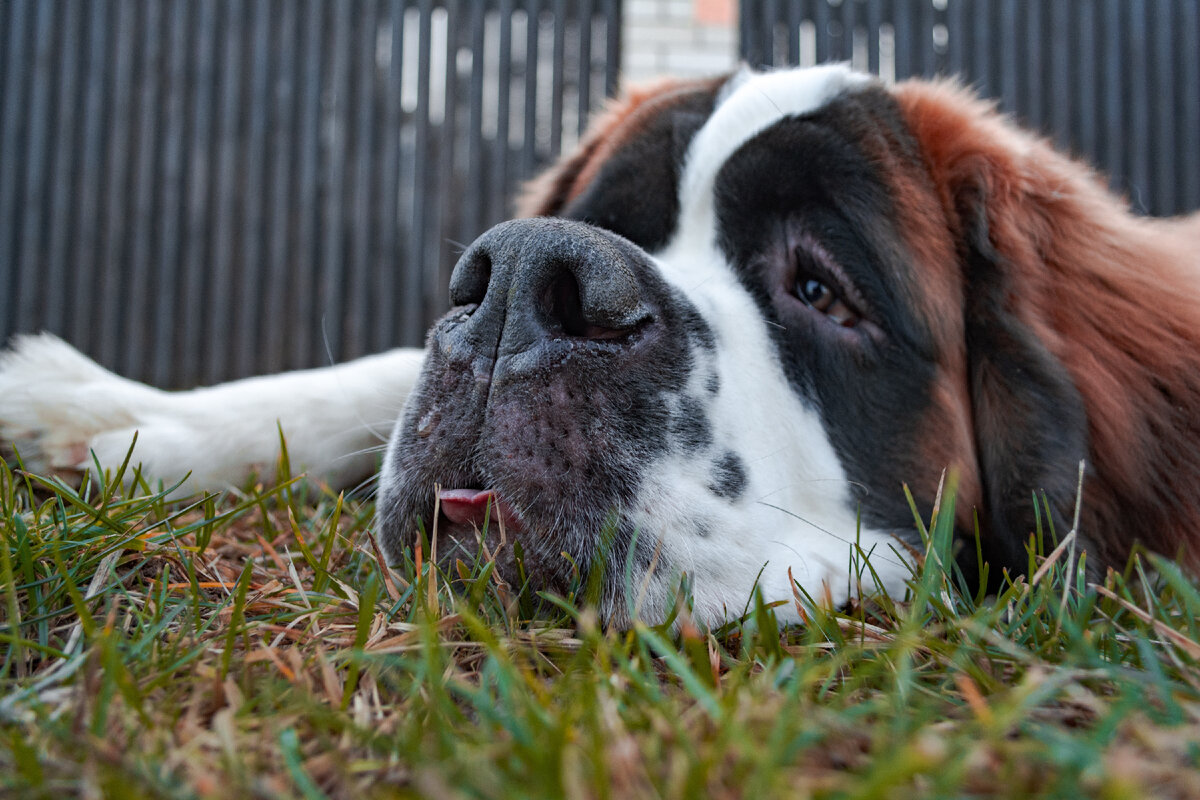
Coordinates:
545	394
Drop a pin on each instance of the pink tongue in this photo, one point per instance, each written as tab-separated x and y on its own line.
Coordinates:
475	507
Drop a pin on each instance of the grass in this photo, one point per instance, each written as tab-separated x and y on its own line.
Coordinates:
254	646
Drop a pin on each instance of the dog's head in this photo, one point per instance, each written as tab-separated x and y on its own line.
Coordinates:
746	314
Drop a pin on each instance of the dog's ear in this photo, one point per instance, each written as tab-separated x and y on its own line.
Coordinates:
1000	189
651	124
1030	421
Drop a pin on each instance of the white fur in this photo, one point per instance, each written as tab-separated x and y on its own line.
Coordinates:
58	408
753	102
797	512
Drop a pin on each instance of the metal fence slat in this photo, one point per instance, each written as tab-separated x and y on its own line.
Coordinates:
33	210
1186	45
192	191
12	121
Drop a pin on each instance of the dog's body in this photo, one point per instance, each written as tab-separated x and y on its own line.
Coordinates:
762	306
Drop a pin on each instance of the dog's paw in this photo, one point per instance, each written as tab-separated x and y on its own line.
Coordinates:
57	407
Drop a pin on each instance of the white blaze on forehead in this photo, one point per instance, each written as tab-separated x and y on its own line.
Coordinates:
753	102
796	511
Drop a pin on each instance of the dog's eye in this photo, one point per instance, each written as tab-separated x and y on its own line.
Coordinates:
816	294
820	297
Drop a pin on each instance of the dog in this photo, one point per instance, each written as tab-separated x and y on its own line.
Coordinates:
727	334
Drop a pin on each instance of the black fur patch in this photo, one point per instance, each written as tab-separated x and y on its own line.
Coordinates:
636	192
690	427
729	477
806	178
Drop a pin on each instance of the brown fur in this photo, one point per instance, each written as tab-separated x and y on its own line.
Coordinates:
1114	297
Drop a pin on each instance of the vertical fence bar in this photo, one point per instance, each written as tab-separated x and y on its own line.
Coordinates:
1187	101
447	217
1063	58
612	51
198	203
750	40
821	22
532	59
875	22
166	252
38	112
1007	63
956	30
473	196
557	82
244	291
355	318
903	26
413	290
1113	100
848	19
218	316
792	20
1137	111
585	65
115	214
501	177
285	46
16	80
388	256
1162	78
336	113
927	58
55	294
770	24
307	229
137	292
1032	67
1084	90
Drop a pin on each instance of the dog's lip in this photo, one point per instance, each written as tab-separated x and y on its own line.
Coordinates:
478	507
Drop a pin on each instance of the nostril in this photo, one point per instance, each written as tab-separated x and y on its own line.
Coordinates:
471	276
562	308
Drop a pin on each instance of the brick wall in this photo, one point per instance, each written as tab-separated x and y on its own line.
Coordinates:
678	37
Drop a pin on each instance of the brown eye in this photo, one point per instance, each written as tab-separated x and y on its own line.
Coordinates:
820	297
816	294
819	290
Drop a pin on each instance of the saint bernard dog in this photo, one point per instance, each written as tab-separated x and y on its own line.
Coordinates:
727	333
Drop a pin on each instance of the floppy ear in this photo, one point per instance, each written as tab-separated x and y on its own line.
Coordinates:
1029	418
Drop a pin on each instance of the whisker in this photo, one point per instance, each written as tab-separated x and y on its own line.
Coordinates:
851	542
365	451
366	487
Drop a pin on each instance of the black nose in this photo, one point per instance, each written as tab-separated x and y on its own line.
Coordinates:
539	278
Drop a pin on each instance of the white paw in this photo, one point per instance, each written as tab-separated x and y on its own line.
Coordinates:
57	406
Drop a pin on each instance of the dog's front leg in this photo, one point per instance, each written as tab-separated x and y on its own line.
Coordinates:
58	408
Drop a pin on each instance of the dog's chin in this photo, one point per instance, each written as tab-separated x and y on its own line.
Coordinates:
468	517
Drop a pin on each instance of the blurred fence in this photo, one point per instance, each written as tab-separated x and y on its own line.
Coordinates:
192	190
1114	81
